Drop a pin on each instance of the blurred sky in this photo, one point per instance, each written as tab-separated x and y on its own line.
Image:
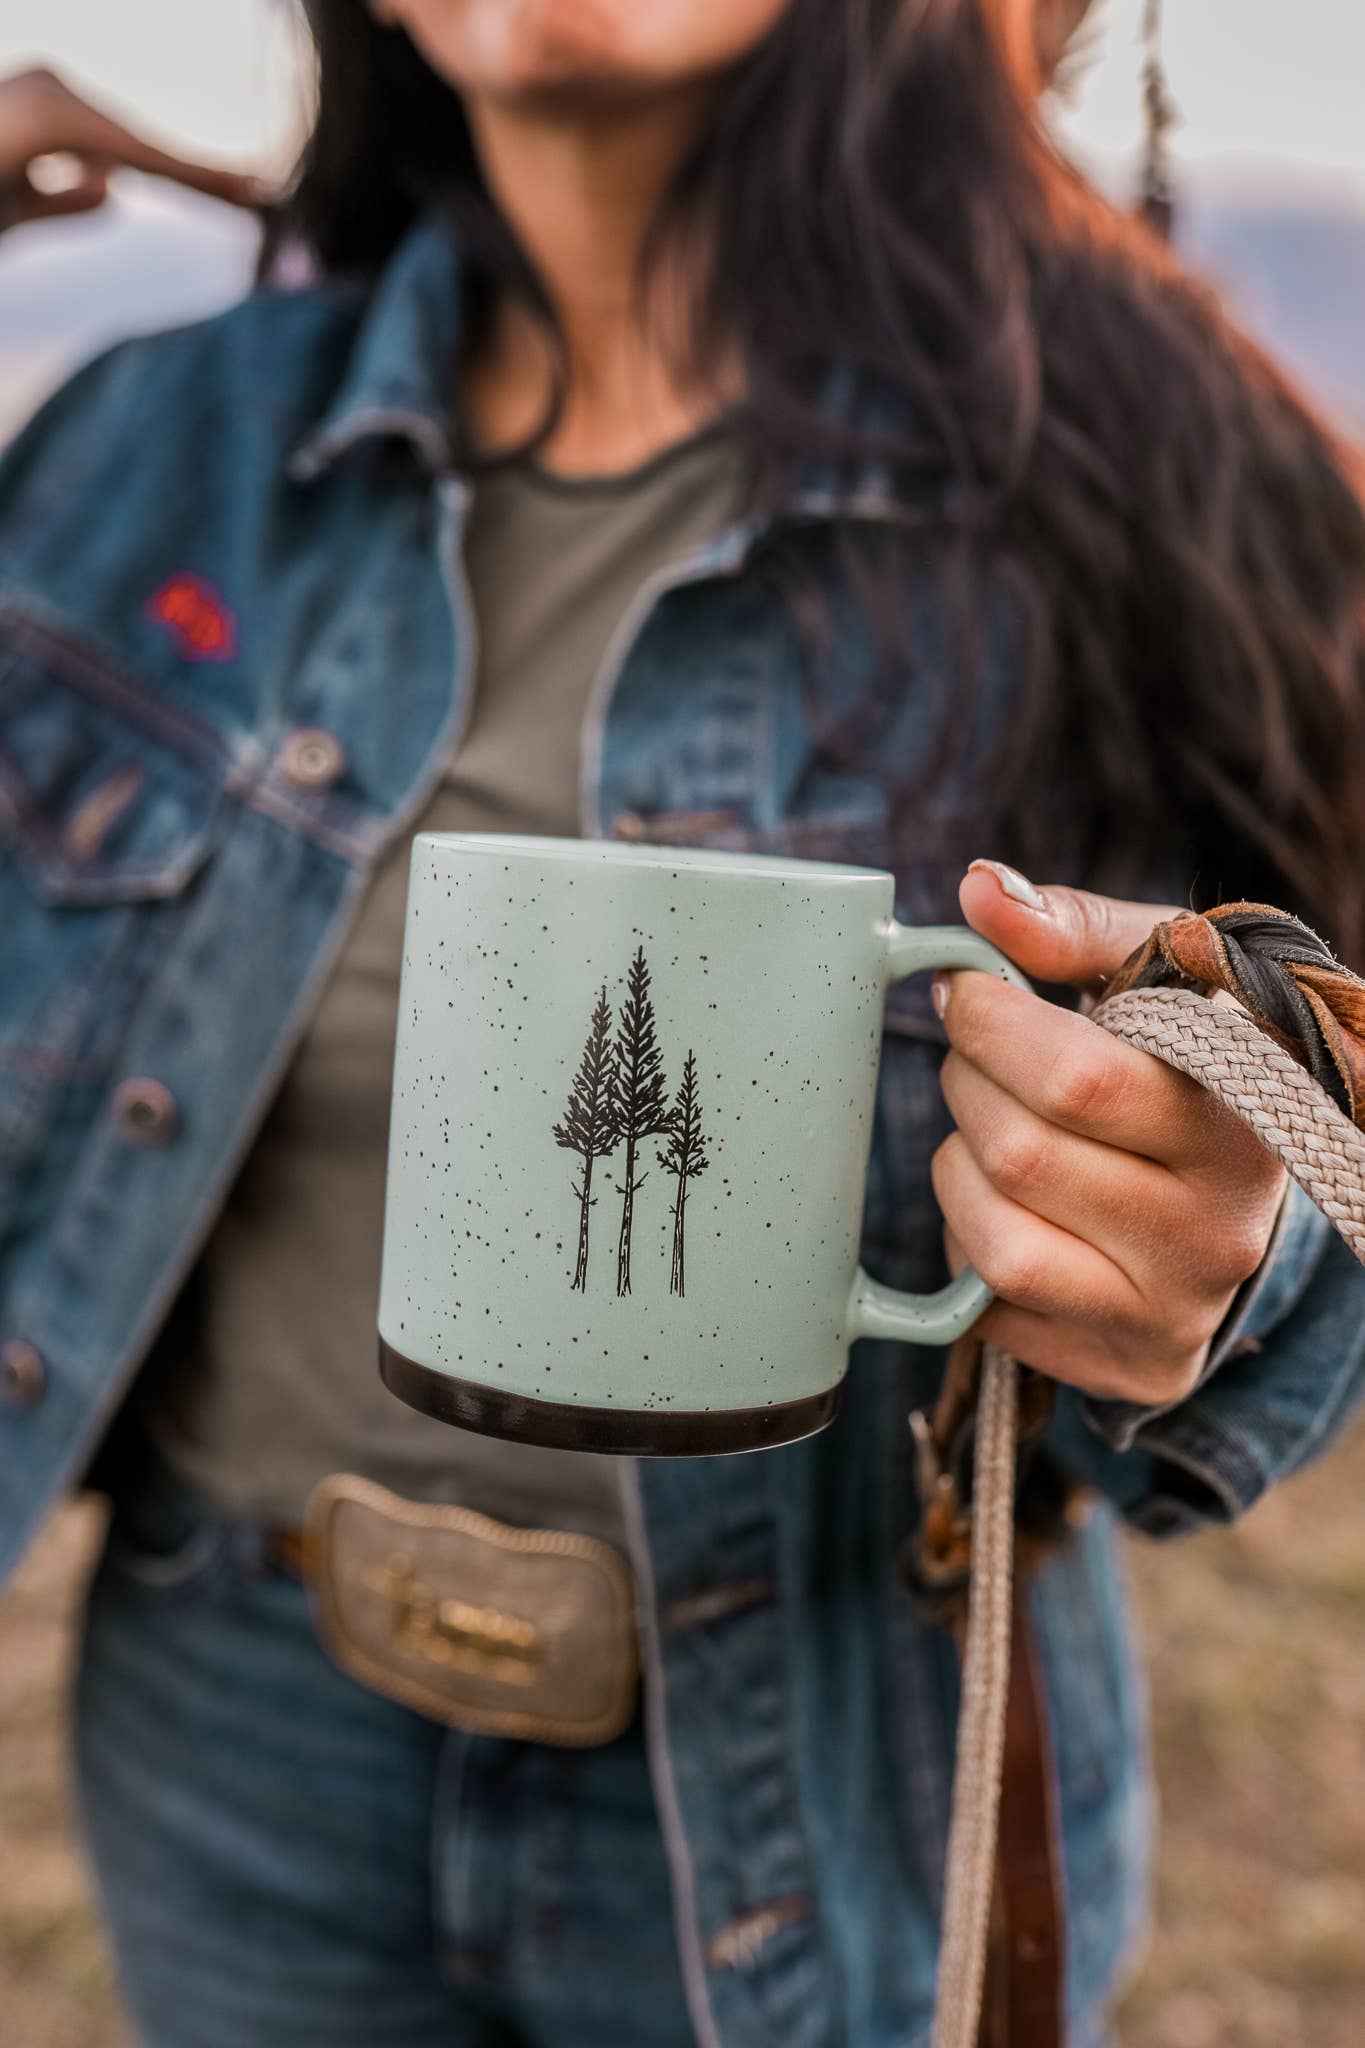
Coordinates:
1278	84
1271	92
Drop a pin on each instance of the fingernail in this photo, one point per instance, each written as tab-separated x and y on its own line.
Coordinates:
1016	886
938	992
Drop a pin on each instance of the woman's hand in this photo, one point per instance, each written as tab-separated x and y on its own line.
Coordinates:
1113	1206
41	117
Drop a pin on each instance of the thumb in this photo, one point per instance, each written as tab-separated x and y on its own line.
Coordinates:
1054	933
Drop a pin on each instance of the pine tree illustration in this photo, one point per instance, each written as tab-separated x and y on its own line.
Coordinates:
589	1126
641	1105
684	1156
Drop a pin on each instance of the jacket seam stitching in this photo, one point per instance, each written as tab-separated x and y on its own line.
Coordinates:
96	676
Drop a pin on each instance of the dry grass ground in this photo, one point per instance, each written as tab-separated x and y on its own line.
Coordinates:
56	1986
1258	1656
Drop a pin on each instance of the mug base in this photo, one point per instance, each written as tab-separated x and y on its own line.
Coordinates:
624	1432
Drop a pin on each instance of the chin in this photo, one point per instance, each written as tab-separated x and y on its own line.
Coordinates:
582	49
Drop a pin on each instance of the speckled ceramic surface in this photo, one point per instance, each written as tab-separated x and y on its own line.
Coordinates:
631	1119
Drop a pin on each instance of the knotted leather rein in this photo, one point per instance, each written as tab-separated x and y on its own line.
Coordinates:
1286	1055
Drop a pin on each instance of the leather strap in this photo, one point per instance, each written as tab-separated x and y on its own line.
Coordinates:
286	1550
1023	2001
1025	1971
1281	973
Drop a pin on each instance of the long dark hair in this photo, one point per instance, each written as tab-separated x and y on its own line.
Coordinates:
1177	538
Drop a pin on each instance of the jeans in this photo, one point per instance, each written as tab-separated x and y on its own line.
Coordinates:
289	1861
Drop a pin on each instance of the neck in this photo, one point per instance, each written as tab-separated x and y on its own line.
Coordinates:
579	192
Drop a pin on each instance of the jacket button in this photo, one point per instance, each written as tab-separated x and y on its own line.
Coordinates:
311	758
23	1376
144	1110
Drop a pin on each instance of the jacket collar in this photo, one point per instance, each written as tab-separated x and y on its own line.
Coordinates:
399	381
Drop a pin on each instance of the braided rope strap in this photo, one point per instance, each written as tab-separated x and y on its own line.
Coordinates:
1291	1064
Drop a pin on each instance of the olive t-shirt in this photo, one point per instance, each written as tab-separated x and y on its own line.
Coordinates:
265	1378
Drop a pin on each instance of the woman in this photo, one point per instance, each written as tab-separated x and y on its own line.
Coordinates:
825	469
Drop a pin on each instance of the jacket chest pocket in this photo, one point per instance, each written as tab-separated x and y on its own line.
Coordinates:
110	807
107	794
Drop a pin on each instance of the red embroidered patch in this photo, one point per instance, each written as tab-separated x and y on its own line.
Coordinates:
201	624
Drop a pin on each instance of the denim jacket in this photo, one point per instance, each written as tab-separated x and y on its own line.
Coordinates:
235	650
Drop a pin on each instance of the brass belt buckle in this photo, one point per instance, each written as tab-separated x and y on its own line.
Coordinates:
527	1633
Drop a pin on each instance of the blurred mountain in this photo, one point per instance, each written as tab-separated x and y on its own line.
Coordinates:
1291	266
153	257
1293	271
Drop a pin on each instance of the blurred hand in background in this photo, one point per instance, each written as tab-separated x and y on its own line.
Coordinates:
57	153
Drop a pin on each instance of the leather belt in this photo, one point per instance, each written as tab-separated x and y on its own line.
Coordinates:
525	1633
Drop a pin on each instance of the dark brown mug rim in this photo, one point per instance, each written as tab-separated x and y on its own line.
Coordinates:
623	1432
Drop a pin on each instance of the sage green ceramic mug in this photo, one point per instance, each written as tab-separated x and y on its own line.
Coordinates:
632	1110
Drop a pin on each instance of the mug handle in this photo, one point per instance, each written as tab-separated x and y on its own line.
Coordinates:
877	1311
